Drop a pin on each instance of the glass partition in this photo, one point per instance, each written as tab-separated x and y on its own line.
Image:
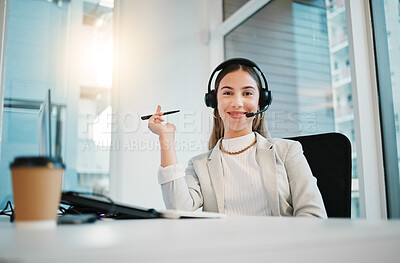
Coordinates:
64	46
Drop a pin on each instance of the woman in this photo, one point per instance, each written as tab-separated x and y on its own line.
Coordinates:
245	172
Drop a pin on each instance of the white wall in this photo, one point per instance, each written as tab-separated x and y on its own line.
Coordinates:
163	58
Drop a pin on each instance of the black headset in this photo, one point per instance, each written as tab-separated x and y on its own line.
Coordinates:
265	95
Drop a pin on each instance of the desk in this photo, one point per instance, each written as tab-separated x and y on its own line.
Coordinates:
233	239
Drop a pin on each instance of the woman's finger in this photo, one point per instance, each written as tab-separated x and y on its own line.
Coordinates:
159	120
152	119
155	117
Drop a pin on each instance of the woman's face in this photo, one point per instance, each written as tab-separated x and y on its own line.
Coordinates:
237	95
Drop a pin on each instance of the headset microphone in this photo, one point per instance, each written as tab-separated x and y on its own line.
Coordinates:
249	115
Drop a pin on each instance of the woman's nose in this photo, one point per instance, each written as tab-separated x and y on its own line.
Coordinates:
237	101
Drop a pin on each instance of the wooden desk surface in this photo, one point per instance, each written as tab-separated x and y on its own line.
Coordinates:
233	239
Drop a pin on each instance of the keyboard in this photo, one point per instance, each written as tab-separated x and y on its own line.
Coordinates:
83	203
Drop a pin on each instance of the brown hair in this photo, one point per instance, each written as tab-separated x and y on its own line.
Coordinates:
218	126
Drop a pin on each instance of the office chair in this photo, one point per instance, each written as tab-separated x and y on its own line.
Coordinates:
329	156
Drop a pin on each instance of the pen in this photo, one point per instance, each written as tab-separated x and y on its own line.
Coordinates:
165	113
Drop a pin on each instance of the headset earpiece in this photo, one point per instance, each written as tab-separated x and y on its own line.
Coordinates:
265	99
211	99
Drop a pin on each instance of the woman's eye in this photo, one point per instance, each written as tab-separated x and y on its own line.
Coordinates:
227	93
248	93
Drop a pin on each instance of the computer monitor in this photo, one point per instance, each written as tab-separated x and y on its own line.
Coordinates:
45	126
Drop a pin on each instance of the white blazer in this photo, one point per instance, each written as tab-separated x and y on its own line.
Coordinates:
291	188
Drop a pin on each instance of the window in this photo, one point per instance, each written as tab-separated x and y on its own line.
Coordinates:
64	46
302	47
386	20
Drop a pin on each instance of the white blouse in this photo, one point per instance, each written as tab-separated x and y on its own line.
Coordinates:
244	190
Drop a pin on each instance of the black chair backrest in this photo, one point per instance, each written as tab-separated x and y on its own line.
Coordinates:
329	156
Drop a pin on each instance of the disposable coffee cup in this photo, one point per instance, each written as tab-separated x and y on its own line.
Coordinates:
37	190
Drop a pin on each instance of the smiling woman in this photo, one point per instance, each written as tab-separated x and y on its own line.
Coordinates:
245	172
238	93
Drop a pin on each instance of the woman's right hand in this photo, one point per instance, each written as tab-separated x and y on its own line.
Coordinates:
156	126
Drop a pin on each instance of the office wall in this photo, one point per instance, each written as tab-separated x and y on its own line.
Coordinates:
163	58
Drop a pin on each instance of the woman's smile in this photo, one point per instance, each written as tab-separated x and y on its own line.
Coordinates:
236	114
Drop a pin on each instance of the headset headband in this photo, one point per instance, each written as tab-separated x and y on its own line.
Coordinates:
241	61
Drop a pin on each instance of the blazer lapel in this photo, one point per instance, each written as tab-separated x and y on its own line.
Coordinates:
266	160
216	175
